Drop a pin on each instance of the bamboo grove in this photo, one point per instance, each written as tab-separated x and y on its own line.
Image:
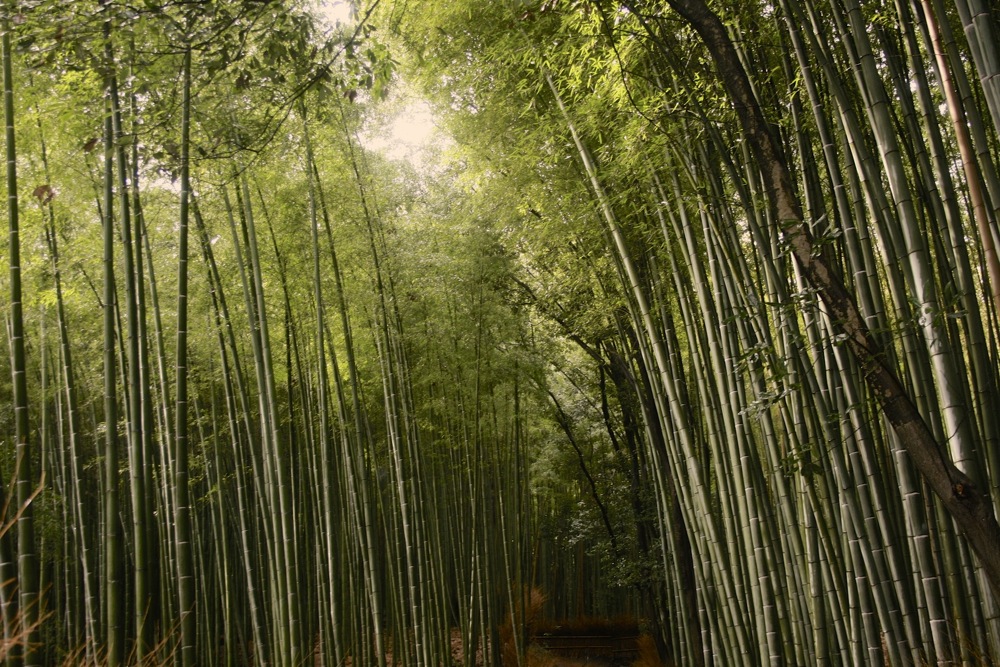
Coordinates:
692	317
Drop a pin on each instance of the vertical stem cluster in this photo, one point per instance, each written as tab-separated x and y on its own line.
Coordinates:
27	560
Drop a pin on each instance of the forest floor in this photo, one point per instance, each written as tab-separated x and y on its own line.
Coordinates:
593	646
589	647
596	650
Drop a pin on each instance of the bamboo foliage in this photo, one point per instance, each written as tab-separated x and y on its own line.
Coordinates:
695	320
806	553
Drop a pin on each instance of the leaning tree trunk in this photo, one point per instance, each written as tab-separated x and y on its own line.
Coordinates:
969	506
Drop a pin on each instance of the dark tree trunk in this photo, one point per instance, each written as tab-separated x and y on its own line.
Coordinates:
969	506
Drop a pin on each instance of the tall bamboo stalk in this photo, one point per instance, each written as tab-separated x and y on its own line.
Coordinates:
113	599
27	559
182	510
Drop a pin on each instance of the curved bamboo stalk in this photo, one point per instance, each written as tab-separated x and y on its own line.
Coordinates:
966	503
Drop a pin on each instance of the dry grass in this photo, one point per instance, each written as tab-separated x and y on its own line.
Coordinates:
519	625
526	625
536	656
649	656
623	626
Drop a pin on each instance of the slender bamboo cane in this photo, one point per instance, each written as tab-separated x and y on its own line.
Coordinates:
27	559
182	509
113	548
962	499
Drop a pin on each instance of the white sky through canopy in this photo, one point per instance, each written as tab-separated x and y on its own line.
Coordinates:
409	132
335	11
